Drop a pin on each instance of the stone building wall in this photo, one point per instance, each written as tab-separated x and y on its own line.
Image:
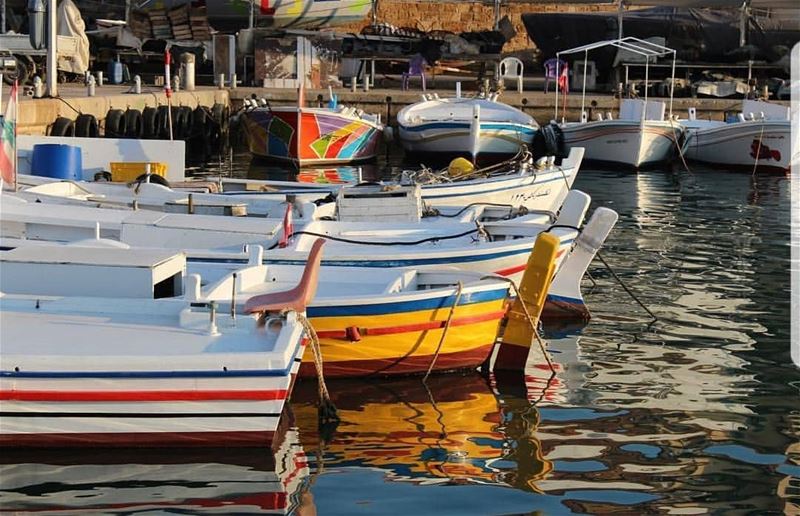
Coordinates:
465	16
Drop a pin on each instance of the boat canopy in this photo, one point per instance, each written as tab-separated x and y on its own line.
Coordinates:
641	47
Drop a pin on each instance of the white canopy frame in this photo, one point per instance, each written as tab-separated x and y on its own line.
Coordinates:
637	46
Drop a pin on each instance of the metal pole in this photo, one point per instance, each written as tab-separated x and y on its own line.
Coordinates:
558	60
672	84
646	82
496	14
52	44
2	16
743	25
252	20
583	94
620	12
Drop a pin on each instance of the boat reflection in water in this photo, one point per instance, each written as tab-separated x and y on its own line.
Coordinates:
451	429
185	481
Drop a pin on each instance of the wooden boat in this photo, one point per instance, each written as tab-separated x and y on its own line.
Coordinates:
471	127
312	136
634	140
491	248
641	136
100	348
519	182
183	480
759	139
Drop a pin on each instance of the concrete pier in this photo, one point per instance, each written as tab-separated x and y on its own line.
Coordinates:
35	115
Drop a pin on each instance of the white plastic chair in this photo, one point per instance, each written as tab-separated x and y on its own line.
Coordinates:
512	68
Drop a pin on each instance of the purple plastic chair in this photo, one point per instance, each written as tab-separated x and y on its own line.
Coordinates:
550	72
416	67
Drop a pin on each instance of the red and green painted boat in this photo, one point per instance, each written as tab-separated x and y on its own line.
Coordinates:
312	136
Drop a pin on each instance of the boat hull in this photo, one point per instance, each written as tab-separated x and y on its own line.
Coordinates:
454	139
623	142
310	136
404	338
757	145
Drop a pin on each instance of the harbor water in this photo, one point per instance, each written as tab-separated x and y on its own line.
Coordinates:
696	412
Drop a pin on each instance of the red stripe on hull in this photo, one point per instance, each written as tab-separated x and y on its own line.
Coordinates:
151	439
401	365
135	396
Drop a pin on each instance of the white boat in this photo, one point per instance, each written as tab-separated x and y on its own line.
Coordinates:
472	127
102	348
760	139
520	183
495	247
634	140
643	135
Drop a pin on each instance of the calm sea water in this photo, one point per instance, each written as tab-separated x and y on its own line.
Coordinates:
697	412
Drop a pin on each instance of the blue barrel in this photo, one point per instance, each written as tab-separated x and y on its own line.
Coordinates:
115	72
57	160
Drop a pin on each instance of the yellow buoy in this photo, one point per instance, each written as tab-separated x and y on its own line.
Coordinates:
460	167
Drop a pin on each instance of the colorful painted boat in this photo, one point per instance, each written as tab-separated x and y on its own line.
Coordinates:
312	136
471	127
100	349
759	140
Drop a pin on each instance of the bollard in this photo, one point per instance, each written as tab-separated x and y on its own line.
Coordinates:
100	78
137	84
353	84
233	81
187	70
90	87
38	87
221	81
176	83
366	82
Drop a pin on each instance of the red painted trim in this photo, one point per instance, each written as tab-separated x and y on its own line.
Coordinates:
134	396
155	439
519	268
410	328
402	365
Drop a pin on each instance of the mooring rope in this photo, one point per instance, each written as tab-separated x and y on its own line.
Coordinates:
367	242
758	149
625	287
327	410
459	290
679	147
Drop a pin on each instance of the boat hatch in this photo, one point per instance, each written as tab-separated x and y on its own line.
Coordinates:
92	272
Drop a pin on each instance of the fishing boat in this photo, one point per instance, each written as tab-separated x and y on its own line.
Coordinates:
460	126
520	181
643	135
312	136
102	347
759	138
499	247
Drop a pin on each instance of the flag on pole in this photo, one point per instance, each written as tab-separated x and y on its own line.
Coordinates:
8	141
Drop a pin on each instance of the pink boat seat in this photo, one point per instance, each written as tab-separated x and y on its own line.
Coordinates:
299	297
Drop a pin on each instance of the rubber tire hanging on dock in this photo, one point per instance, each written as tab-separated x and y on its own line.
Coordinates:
86	126
115	124
150	123
186	122
62	126
162	122
133	124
